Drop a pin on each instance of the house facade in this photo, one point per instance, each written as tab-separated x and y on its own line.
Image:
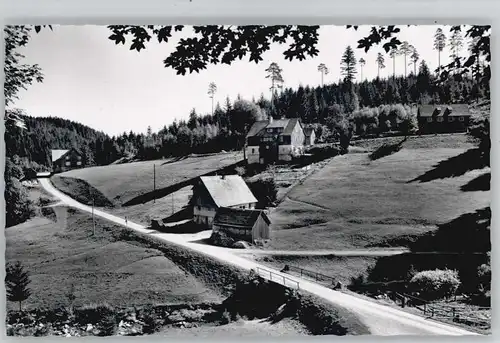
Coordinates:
212	192
270	141
247	225
64	160
443	118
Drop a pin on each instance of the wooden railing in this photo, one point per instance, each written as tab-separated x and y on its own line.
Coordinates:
311	274
278	278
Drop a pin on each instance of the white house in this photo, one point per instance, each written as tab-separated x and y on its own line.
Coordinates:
269	141
212	192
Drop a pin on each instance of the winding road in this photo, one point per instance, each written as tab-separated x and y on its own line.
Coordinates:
380	319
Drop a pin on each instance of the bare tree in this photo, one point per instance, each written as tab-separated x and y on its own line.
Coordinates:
393	53
415	56
405	50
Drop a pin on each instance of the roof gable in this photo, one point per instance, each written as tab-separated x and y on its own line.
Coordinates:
58	154
440	110
257	128
239	217
228	190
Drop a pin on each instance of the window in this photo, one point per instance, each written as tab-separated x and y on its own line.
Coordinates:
79	158
281	139
79	163
461	118
67	157
429	120
269	130
253	151
440	119
67	164
267	146
450	119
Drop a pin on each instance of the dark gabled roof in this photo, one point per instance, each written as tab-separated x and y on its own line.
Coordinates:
439	110
259	127
228	190
237	217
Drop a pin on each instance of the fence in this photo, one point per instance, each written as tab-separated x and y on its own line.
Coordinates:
441	311
275	277
311	274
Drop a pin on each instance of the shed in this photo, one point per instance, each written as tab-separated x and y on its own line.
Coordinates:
248	225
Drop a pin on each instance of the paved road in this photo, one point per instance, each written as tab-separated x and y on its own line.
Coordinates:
380	319
352	253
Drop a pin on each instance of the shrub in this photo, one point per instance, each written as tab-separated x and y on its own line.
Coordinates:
93	314
151	323
265	191
221	239
386	150
435	284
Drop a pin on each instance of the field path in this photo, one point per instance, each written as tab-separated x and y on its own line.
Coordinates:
380	319
307	203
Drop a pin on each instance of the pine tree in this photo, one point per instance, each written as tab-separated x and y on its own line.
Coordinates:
348	65
274	72
405	50
212	89
380	63
439	44
16	283
415	56
322	68
456	43
393	53
362	63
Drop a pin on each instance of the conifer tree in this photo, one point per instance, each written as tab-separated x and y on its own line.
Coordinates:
16	283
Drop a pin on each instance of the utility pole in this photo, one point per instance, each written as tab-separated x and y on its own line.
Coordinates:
172	196
93	221
154	183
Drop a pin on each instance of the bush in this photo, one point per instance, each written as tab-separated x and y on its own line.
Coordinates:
93	314
221	239
386	150
435	284
265	191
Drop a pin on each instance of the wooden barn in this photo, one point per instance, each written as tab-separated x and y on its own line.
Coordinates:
212	192
63	160
247	225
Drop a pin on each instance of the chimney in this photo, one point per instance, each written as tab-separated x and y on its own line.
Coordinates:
223	176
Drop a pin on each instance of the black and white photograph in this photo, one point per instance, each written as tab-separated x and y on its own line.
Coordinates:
231	181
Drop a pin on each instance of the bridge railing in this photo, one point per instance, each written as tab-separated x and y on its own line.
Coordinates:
278	278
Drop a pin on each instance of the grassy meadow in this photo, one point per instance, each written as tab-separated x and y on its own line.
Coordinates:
64	257
353	202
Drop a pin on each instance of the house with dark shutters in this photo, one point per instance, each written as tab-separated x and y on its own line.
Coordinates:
270	141
247	225
213	192
64	160
443	118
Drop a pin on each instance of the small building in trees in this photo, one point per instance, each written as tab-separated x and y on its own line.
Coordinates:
64	160
270	141
443	118
310	136
213	192
247	225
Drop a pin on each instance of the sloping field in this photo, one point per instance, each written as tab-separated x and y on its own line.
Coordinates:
353	202
103	268
121	183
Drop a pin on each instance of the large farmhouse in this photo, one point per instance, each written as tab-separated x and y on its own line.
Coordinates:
212	192
443	118
269	141
248	225
63	160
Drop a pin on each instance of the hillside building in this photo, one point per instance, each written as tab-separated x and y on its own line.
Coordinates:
64	160
213	192
270	141
247	225
443	118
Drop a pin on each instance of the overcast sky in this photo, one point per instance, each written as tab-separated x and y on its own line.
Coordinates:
91	80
